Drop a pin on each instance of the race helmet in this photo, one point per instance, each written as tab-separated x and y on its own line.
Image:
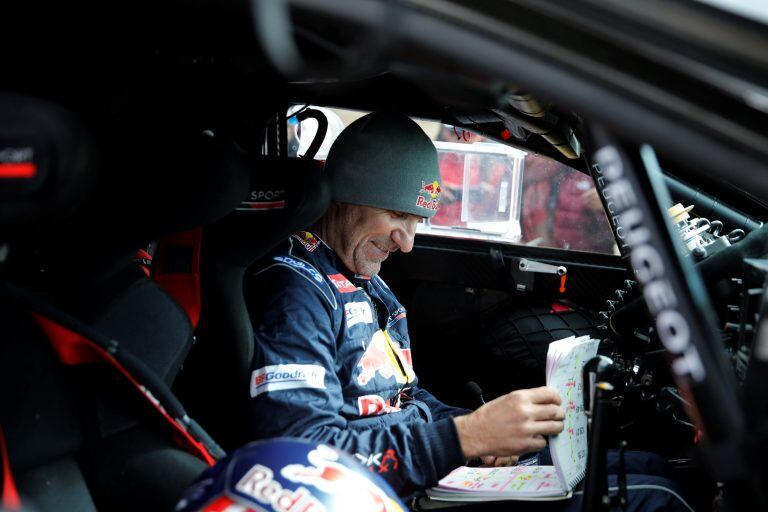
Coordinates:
289	475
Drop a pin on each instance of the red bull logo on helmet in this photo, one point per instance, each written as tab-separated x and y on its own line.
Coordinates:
353	490
260	484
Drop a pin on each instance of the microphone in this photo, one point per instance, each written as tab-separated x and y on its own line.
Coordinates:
475	391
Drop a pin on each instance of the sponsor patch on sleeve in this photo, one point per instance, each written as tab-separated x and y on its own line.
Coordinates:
358	313
287	376
342	283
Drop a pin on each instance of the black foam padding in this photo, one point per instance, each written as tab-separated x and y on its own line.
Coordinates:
150	325
156	184
138	470
58	485
38	411
47	164
243	236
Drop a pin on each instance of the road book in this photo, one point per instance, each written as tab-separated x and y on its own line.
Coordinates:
565	360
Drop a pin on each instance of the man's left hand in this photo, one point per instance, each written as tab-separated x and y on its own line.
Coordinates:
492	461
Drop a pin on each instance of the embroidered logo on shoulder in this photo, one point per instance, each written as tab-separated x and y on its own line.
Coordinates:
307	239
310	273
301	265
278	377
358	313
399	314
342	283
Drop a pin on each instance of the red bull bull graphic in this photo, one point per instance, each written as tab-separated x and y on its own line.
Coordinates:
381	357
307	239
432	190
352	490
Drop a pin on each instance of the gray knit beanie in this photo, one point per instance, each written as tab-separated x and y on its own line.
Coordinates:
385	160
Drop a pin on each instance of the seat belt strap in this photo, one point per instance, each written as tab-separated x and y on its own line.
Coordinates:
74	349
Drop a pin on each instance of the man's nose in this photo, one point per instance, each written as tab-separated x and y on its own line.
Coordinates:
403	236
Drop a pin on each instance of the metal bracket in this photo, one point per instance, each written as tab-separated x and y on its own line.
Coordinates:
523	272
542	268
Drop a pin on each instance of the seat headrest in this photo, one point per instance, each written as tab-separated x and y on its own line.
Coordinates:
156	184
285	195
47	164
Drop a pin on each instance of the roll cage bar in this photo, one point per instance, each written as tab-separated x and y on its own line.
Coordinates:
682	314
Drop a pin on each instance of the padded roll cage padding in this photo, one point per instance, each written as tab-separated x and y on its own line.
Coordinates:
47	162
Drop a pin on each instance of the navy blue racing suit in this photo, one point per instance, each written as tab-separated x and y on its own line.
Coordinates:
332	363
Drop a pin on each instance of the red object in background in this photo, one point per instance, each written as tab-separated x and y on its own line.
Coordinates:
18	171
452	177
183	284
10	495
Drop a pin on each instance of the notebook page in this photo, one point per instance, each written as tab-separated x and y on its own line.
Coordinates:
499	483
565	361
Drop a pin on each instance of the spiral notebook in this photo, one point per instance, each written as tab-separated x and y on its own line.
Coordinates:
565	360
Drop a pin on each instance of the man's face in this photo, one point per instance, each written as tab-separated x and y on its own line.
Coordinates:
363	236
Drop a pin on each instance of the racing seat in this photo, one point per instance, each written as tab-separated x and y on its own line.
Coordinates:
128	461
46	170
285	196
192	180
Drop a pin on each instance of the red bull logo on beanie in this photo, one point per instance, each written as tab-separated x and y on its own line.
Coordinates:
433	189
428	195
287	376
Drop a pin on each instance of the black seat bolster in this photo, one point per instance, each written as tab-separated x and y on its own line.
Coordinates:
40	417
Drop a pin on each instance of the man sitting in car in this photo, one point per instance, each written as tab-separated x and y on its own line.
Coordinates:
332	360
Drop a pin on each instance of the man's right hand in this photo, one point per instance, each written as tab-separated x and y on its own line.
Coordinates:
512	424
